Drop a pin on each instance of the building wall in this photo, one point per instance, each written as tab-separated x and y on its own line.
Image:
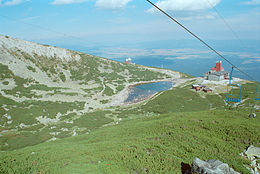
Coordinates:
221	77
215	78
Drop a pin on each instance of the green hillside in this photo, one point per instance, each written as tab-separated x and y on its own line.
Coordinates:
148	142
63	111
158	144
47	93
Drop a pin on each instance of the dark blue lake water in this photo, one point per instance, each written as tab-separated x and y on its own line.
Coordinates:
141	92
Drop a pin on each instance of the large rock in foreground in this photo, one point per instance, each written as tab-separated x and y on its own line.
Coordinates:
253	155
253	152
211	167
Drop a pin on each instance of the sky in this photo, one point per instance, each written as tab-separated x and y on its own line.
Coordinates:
133	28
119	21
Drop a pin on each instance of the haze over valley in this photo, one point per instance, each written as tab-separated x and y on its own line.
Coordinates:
116	87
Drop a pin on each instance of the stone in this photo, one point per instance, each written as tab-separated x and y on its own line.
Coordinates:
252	115
252	154
253	151
211	167
256	171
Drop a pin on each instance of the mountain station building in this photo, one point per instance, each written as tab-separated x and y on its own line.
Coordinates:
128	61
217	73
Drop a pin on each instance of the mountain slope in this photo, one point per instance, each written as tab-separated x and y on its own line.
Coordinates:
42	87
79	72
157	144
62	93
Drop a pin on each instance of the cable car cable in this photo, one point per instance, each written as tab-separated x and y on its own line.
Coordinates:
227	24
207	45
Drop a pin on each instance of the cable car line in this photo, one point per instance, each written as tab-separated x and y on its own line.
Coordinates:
226	23
207	45
230	97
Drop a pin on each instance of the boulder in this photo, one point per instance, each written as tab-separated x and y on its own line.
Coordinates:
253	151
211	167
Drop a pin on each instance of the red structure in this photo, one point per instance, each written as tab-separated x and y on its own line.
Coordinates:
128	61
218	67
217	73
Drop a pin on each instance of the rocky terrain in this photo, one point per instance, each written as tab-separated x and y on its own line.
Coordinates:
252	154
42	86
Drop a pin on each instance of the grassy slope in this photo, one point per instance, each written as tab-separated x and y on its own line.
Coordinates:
152	143
83	71
181	100
157	144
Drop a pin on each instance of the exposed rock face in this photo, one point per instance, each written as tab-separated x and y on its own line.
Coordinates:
45	85
253	154
211	167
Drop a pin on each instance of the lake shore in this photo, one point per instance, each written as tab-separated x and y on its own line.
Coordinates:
176	82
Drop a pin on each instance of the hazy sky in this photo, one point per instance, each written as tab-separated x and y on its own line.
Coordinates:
120	21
